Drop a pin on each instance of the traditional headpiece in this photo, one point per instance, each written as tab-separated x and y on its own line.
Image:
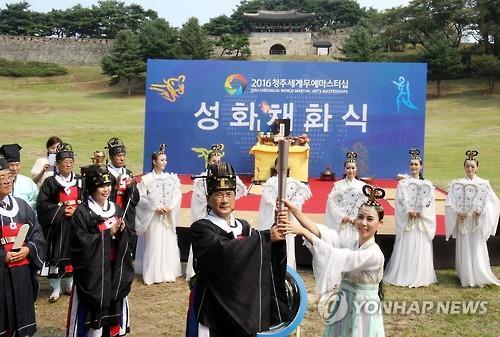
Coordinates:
220	177
415	154
373	194
3	164
11	152
97	157
216	150
162	149
471	155
351	157
95	175
115	146
64	150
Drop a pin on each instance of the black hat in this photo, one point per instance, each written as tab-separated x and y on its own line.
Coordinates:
11	152
220	177
3	164
115	146
64	150
95	175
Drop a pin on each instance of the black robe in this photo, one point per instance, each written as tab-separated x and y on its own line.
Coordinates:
226	295
18	284
101	283
55	225
131	198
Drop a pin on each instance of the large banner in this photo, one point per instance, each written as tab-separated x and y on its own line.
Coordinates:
374	109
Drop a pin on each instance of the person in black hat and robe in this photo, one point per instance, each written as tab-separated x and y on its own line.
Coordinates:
18	267
23	187
240	272
124	190
101	249
58	198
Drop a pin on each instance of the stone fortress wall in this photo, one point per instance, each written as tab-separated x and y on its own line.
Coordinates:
55	50
73	51
297	43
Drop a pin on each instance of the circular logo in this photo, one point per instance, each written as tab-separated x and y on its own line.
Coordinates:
332	306
235	84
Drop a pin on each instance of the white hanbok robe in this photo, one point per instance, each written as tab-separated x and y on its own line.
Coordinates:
199	209
472	260
38	167
157	253
411	263
297	193
333	214
355	274
24	188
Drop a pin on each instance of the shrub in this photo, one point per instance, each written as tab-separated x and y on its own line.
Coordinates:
30	69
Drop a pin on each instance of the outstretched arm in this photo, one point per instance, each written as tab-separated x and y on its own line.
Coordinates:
306	223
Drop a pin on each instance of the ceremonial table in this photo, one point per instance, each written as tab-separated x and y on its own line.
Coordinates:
265	155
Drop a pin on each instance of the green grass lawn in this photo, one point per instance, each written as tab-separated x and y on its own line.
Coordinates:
80	108
465	117
84	111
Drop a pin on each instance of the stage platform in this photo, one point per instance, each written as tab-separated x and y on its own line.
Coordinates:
248	207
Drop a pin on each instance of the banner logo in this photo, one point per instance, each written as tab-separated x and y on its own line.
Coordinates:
171	88
404	93
235	84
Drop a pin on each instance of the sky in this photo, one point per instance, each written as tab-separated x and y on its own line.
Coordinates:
177	12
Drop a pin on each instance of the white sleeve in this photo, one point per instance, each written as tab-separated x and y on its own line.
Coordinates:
175	205
329	262
490	213
144	211
401	213
37	167
450	216
428	216
333	214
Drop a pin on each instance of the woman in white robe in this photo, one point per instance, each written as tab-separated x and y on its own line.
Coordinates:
471	212
411	264
297	193
350	277
157	215
341	208
199	198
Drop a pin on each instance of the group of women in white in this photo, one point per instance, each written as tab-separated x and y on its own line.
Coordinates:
347	261
345	255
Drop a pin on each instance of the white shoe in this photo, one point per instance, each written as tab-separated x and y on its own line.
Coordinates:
54	296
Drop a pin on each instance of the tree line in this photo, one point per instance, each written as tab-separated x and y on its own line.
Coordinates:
454	37
434	29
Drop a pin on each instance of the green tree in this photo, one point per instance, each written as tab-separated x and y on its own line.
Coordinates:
394	30
237	45
15	19
488	67
219	26
363	45
159	40
79	21
136	16
487	23
443	59
450	18
124	62
114	16
194	41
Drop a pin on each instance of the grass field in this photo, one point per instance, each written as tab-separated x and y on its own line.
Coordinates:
82	109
